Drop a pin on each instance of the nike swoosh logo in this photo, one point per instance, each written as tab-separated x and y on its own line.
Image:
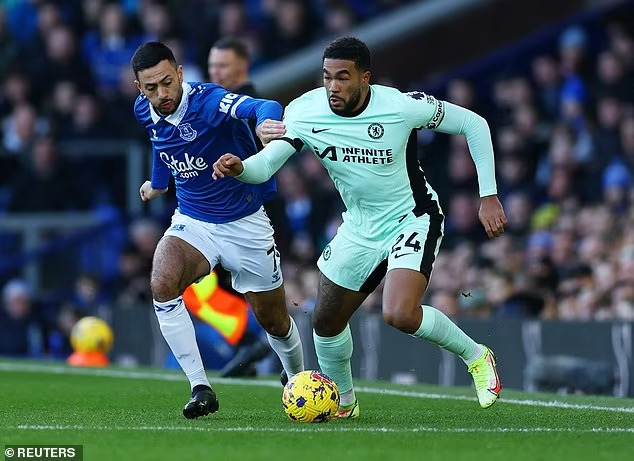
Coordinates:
402	254
319	131
498	384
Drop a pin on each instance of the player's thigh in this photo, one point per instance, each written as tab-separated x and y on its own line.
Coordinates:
353	262
176	265
351	268
413	249
249	252
414	246
185	254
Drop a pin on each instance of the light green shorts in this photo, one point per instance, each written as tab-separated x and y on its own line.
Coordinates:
357	263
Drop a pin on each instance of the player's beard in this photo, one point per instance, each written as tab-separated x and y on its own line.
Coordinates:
350	104
174	104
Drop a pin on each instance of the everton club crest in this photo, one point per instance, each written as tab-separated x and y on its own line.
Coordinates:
187	132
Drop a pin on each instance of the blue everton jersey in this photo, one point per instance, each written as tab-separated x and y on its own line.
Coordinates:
209	122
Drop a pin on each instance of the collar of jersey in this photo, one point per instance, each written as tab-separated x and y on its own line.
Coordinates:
175	118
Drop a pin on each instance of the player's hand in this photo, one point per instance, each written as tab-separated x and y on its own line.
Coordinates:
492	216
269	130
227	165
148	193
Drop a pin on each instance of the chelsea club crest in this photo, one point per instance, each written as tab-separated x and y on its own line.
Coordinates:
187	132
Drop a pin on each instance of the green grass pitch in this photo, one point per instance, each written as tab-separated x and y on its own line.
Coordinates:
120	414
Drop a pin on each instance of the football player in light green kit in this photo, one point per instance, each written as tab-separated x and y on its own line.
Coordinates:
364	136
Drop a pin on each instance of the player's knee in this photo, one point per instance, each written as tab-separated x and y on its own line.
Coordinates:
271	313
163	289
276	326
325	325
405	320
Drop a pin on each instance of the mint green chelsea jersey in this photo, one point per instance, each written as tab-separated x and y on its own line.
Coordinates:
372	156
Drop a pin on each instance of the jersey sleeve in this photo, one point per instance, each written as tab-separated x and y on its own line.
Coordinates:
137	107
460	121
222	105
142	110
421	110
160	172
257	109
260	167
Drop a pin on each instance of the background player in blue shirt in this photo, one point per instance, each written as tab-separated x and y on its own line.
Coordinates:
190	126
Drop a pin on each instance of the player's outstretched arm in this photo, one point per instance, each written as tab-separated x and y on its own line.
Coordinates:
266	113
259	167
260	110
147	192
461	121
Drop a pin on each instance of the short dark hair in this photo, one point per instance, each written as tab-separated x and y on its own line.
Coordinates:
149	55
235	44
350	49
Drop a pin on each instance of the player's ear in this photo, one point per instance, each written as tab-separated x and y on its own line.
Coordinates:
180	74
366	77
138	85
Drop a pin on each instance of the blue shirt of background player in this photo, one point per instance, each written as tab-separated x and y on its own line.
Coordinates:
209	122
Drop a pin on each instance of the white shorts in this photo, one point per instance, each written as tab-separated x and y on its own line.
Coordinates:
245	248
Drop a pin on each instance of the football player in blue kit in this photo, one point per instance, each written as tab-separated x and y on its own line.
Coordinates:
190	126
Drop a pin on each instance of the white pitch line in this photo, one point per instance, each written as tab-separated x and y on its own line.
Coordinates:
106	372
321	428
531	403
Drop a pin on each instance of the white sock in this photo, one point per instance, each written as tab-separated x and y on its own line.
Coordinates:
289	350
178	330
347	398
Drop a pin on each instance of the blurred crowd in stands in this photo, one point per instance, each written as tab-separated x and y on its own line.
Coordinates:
564	138
563	133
